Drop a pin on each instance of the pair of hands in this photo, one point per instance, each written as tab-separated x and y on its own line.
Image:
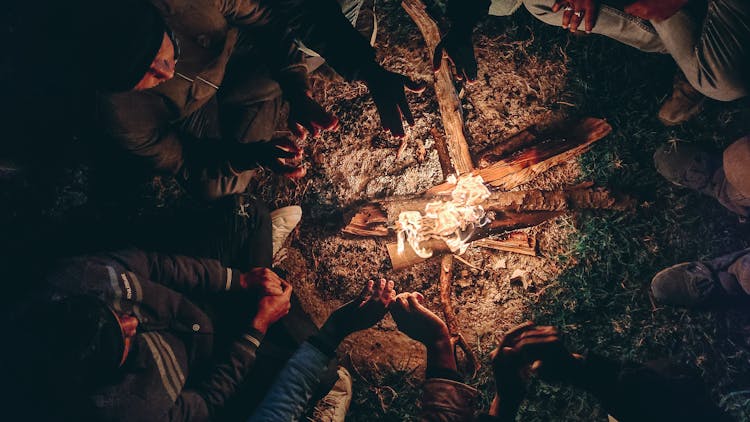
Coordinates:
275	295
525	349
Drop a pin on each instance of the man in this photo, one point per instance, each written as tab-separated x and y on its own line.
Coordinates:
708	39
654	391
195	89
725	178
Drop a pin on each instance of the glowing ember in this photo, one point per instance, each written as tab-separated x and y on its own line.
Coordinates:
451	221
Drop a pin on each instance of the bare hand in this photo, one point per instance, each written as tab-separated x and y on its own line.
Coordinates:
273	308
280	155
363	312
387	89
263	280
577	11
543	346
416	321
655	9
307	116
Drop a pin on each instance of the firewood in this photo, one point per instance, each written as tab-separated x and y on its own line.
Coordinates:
373	218
516	242
503	149
456	338
524	165
507	222
448	101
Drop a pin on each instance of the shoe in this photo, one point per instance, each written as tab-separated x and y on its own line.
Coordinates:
283	221
334	406
694	284
689	166
684	104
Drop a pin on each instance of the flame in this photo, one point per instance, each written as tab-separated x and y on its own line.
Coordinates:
451	221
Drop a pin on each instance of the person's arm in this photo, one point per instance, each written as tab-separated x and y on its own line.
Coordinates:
186	274
444	397
141	125
457	44
294	386
222	382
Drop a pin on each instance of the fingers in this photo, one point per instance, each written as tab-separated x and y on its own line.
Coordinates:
287	288
298	130
367	291
576	17
387	295
516	331
391	120
567	14
590	16
559	4
403	106
286	148
414	86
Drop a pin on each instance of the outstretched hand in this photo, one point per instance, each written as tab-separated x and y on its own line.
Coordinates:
363	312
458	48
388	92
416	321
280	155
307	116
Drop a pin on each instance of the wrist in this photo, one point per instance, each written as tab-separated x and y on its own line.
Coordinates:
260	325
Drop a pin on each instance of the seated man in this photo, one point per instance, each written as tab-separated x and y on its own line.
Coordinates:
708	39
725	178
155	336
654	391
195	89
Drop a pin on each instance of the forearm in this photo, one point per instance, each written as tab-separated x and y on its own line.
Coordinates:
188	275
226	376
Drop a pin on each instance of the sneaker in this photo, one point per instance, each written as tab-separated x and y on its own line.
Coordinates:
283	221
333	407
693	284
684	104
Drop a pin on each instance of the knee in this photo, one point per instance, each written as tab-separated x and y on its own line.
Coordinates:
542	10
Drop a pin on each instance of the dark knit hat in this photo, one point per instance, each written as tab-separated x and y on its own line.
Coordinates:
85	335
124	37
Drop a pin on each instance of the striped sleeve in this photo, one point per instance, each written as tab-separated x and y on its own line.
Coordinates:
227	375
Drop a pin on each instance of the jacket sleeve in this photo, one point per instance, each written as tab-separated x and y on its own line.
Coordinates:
446	400
181	273
264	19
651	391
322	26
205	400
294	386
139	123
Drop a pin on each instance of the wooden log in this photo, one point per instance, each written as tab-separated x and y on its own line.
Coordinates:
374	218
507	222
516	242
448	101
505	148
525	165
456	338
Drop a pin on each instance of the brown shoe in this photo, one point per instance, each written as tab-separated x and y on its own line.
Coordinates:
684	104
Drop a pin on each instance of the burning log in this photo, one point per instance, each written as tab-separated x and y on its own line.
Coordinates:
375	218
516	242
521	166
508	222
457	340
450	105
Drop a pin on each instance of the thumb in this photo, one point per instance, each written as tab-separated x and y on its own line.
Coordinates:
413	86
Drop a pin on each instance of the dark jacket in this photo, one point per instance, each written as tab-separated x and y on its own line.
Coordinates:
161	379
144	123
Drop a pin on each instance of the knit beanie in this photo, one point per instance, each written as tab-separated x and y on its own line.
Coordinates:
121	39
